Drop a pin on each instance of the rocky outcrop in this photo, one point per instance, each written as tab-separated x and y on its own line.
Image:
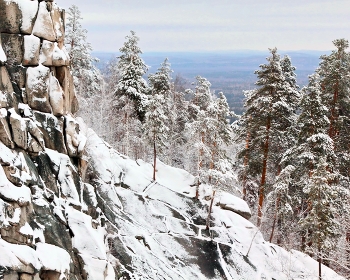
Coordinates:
40	145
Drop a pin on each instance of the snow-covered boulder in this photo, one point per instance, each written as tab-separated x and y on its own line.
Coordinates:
58	15
19	130
17	16
43	26
52	129
29	10
56	95
31	50
59	57
75	140
233	203
46	53
37	88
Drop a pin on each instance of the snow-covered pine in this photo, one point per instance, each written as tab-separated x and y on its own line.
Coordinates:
312	156
334	74
87	78
178	117
320	222
270	112
131	83
156	125
208	132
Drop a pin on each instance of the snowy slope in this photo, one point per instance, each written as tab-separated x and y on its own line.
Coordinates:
157	230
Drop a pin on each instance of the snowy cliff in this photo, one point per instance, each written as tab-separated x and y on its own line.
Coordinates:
71	207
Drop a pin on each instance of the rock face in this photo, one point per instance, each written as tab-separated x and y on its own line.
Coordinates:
73	208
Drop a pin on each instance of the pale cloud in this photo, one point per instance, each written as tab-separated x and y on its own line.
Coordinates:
194	25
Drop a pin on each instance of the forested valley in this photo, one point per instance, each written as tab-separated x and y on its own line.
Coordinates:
287	155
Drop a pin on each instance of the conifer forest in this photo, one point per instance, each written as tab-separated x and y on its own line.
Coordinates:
287	155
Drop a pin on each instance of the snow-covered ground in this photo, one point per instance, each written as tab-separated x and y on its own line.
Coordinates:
158	228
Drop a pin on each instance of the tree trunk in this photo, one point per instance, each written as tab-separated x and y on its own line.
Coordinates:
245	164
154	159
263	175
320	269
332	130
275	218
210	209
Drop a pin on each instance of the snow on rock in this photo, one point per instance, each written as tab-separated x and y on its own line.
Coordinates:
67	184
56	95
75	139
19	129
37	88
161	230
53	258
31	50
59	57
10	192
29	11
3	57
88	240
5	133
175	179
57	15
43	26
46	53
233	203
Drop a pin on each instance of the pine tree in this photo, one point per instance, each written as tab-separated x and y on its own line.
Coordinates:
87	78
312	144
156	128
209	132
270	112
131	83
321	219
335	81
178	117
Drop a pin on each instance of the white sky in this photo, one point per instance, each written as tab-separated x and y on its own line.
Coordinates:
213	25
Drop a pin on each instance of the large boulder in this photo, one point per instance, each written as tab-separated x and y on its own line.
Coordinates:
37	88
43	26
233	203
75	140
19	130
11	16
17	16
12	44
29	10
52	131
65	79
56	95
31	50
5	82
59	56
46	53
58	16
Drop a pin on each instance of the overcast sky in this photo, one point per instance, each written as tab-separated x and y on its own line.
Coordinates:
207	25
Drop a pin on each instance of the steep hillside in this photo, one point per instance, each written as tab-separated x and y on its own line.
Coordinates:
71	207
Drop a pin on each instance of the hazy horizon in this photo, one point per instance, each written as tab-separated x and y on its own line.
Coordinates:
226	25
